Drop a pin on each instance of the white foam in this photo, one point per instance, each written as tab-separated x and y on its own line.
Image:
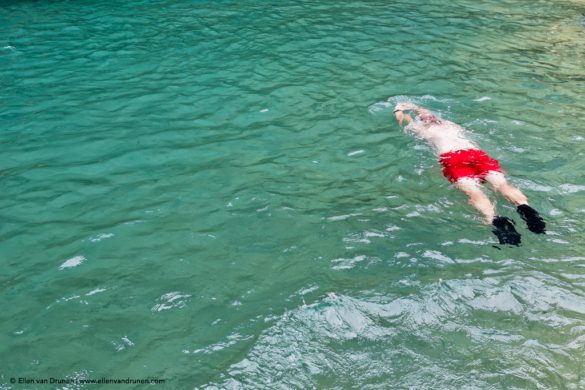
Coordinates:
127	341
373	234
72	262
379	106
308	290
480	122
436	255
348	263
516	149
232	339
356	152
342	217
534	186
558	241
170	301
429	97
473	242
96	291
571	188
101	236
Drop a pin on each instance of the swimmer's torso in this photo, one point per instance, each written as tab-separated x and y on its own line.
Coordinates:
445	136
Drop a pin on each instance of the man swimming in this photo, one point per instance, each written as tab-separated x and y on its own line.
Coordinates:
465	165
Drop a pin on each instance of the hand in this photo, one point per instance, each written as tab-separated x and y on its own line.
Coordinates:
399	116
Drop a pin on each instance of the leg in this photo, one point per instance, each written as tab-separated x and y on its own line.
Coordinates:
501	185
503	227
533	220
477	198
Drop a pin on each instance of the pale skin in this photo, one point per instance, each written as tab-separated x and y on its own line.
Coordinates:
446	136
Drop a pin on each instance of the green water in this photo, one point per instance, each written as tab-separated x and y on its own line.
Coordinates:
216	194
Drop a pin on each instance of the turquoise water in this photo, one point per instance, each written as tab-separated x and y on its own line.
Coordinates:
216	194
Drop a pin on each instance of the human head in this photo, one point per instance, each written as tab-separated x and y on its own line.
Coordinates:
427	116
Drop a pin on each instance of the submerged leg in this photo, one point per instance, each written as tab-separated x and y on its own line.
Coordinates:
501	185
533	220
477	198
503	227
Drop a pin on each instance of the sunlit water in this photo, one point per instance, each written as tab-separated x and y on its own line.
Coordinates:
216	193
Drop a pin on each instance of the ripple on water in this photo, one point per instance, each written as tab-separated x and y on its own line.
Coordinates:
211	165
171	300
477	321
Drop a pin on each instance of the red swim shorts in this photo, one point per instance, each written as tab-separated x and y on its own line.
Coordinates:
471	163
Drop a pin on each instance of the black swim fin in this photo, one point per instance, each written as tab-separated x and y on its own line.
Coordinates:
505	231
534	221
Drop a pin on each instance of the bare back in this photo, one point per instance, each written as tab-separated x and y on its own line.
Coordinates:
445	136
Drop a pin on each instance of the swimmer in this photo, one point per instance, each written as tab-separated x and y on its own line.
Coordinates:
467	167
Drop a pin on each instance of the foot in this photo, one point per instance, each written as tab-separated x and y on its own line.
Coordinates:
534	221
505	231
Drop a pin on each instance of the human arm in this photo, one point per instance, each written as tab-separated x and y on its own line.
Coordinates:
401	117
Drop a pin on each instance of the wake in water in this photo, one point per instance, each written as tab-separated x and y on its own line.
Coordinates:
404	99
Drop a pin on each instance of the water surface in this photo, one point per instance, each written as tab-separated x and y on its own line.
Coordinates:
216	193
